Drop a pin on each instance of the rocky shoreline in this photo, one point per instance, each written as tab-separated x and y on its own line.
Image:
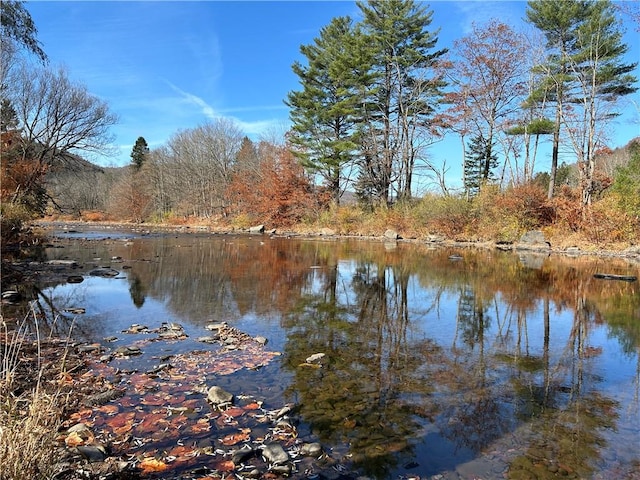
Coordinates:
532	241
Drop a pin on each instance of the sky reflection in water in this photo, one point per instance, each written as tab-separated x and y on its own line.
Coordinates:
479	366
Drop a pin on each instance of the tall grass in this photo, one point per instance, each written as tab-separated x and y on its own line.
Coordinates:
31	407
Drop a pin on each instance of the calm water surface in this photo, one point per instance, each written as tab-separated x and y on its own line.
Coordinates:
438	363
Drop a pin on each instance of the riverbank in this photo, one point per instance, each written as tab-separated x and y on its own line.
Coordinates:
540	242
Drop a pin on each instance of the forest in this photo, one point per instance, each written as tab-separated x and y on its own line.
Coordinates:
374	96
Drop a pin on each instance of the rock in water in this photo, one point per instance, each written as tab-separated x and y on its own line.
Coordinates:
275	454
315	357
104	272
217	396
311	449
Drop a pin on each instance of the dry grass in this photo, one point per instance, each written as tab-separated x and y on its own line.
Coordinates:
29	415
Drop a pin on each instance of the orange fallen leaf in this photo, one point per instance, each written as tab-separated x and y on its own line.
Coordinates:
150	464
252	406
80	415
74	439
225	466
234	411
234	438
109	409
122	419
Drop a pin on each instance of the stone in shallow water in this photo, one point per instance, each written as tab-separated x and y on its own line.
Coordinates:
218	395
104	272
311	449
215	326
315	357
275	454
93	453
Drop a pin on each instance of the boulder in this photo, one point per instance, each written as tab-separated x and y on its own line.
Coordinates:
256	229
104	272
391	234
533	240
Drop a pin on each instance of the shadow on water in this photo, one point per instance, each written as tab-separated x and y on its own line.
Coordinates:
401	362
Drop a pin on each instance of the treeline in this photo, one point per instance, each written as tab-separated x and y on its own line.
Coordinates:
374	96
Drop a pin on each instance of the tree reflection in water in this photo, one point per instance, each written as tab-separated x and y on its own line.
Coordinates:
422	354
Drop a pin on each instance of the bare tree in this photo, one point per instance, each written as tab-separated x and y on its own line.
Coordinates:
190	175
488	76
57	117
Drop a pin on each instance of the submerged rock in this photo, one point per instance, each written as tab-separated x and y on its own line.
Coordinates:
93	453
219	396
104	272
315	357
127	351
275	454
311	449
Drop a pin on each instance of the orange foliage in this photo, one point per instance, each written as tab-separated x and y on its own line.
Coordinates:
528	202
279	195
21	176
567	208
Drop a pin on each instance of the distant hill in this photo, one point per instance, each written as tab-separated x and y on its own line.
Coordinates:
75	184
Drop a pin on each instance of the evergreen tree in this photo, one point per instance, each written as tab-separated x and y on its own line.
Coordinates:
480	162
401	106
139	153
584	75
558	21
326	111
18	26
8	116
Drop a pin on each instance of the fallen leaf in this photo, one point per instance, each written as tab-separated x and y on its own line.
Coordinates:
225	466
234	411
235	438
74	439
109	409
150	464
153	400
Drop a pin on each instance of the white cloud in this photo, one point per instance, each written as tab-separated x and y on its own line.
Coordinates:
206	109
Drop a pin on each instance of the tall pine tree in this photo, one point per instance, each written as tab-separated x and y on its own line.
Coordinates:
326	110
584	76
407	92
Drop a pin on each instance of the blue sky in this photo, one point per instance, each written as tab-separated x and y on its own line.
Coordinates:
163	66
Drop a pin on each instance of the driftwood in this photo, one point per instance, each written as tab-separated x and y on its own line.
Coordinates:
610	276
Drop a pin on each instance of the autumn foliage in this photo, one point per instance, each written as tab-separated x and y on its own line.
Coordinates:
279	194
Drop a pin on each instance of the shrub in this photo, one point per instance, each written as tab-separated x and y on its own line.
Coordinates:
13	218
450	216
605	222
626	184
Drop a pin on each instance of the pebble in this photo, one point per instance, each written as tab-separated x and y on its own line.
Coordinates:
210	339
315	357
